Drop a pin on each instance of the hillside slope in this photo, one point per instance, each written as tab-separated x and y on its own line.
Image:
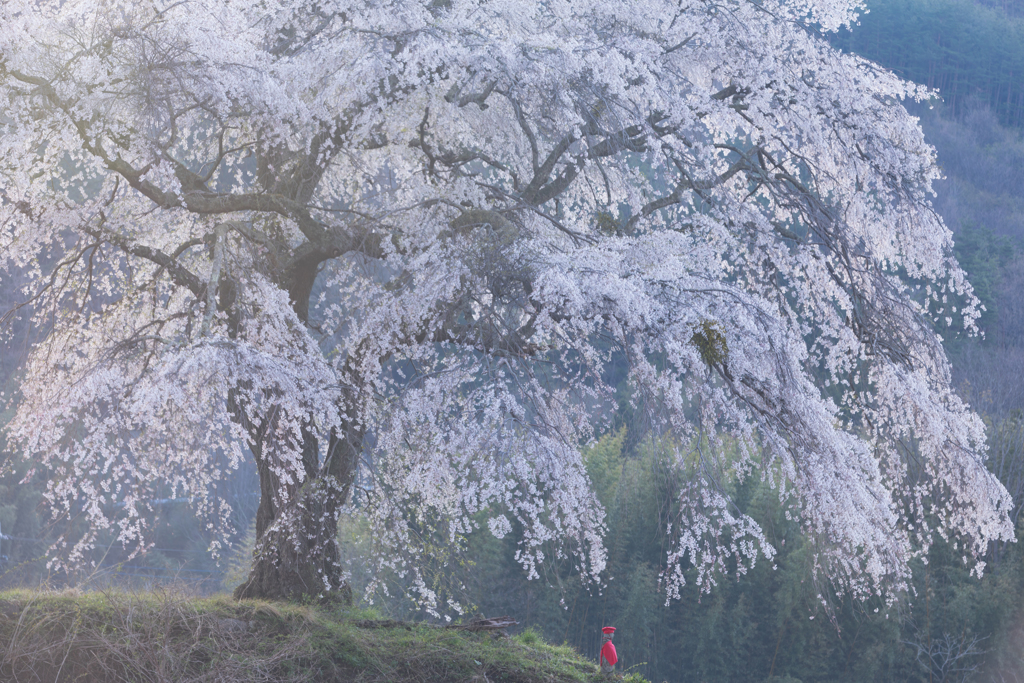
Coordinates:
163	637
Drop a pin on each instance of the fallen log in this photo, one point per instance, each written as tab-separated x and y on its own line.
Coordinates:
484	624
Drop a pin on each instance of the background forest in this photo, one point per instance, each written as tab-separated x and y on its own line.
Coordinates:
776	622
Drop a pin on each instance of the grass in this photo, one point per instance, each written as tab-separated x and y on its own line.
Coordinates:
165	636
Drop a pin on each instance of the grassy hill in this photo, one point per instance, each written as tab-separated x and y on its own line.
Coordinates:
163	637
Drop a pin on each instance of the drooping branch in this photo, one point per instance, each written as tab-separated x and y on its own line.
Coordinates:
181	275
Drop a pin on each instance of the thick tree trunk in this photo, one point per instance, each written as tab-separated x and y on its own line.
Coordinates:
296	554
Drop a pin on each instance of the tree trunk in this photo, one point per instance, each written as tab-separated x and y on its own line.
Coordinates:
296	554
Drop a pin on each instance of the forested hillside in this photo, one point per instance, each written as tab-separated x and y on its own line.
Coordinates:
768	624
971	52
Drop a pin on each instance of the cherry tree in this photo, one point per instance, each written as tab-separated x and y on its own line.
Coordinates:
394	245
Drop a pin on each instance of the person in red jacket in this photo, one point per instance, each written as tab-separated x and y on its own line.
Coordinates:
608	656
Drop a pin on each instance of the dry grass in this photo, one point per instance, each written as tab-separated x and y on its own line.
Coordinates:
169	637
159	637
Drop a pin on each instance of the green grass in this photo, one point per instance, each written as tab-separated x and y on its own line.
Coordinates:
164	636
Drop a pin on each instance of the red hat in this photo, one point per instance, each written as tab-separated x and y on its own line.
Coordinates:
608	629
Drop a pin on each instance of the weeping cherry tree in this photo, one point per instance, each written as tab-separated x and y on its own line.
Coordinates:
392	247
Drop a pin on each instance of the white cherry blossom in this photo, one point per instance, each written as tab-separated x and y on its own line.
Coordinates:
396	244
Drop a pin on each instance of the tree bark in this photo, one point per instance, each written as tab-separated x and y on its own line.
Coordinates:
296	554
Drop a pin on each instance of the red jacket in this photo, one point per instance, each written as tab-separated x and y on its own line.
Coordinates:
608	653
